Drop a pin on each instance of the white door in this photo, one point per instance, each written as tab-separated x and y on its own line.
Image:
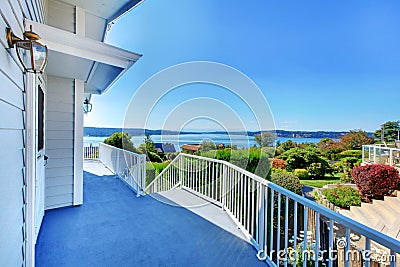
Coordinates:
41	158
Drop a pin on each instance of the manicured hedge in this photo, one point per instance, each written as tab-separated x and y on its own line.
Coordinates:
301	173
254	160
153	169
343	197
350	153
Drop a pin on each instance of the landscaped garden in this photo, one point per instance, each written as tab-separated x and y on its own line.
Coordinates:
291	165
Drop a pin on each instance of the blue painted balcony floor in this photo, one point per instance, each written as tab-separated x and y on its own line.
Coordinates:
115	228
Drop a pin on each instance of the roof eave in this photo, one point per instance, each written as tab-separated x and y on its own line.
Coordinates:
123	10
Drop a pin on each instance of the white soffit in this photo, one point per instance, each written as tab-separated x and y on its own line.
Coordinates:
78	57
107	9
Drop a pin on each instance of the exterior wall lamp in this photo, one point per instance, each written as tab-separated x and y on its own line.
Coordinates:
87	106
31	54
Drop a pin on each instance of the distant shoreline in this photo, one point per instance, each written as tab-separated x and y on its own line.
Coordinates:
105	132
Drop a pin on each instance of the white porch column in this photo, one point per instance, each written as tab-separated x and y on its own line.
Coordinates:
30	167
78	143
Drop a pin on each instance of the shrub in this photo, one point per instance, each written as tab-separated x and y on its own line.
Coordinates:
288	181
279	170
297	158
316	169
150	173
278	163
343	197
337	167
348	164
301	173
223	154
159	167
254	160
376	180
153	169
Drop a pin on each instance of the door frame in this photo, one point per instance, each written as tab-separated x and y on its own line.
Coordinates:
40	154
31	83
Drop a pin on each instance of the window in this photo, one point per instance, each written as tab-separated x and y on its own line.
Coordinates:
40	118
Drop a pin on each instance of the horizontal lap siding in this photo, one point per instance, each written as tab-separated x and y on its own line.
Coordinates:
11	200
59	142
61	15
12	165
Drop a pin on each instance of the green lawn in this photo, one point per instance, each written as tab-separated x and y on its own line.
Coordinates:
320	183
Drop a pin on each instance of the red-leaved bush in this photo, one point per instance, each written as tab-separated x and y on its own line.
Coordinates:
376	180
278	163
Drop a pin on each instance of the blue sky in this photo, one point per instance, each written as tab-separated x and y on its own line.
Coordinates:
321	65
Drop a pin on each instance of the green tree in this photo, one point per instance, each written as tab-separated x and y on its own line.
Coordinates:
285	146
150	147
329	148
289	144
355	139
207	145
265	139
121	140
150	150
391	131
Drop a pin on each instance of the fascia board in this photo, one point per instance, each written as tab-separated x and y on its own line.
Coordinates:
79	46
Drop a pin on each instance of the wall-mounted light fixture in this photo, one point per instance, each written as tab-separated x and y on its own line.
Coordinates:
87	106
31	54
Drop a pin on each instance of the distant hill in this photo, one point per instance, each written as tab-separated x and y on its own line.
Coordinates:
104	132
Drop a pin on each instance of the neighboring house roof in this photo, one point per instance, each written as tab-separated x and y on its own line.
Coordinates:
98	64
191	147
166	148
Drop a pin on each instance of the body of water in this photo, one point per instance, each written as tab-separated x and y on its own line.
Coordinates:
241	141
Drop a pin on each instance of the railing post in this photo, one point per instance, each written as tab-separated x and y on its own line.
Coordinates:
181	170
100	150
369	154
391	157
143	173
223	192
363	154
374	154
261	218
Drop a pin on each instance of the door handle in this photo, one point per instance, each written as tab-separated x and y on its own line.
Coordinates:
45	159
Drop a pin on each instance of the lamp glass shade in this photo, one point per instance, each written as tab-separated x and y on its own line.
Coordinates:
87	107
32	55
39	52
24	53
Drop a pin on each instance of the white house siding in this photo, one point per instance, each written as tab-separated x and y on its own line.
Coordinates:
59	142
61	15
12	140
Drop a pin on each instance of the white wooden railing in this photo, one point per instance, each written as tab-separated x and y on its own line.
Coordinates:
129	166
378	154
90	150
284	227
